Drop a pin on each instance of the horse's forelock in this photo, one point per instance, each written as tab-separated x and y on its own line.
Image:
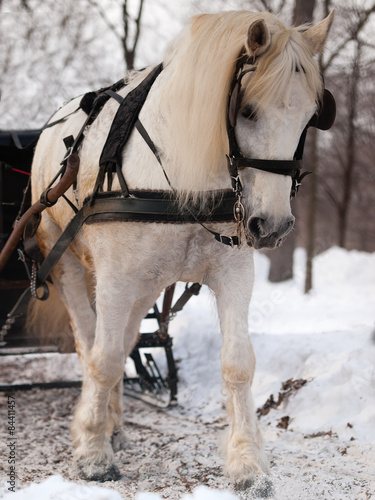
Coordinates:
288	51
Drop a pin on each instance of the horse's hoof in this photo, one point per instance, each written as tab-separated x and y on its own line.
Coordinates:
261	487
98	472
118	441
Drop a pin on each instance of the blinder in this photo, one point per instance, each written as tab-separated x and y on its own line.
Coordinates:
325	116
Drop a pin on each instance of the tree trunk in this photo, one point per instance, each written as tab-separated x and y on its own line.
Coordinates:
281	267
303	11
349	167
311	209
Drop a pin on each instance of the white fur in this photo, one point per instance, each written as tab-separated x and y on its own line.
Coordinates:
132	263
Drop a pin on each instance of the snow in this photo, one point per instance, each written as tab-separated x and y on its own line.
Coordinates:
55	487
326	451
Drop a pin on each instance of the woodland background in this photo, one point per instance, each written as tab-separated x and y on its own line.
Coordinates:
53	50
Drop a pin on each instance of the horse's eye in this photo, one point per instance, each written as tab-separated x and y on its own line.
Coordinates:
249	112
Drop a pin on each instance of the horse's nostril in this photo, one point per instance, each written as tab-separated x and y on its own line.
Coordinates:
289	226
256	227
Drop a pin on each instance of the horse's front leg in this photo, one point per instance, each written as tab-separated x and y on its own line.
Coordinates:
94	455
232	284
138	312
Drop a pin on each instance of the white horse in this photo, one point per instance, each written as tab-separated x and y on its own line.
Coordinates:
132	262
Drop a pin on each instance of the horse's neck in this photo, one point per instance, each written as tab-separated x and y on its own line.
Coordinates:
140	167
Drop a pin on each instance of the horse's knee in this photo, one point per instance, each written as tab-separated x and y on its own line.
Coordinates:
106	367
238	362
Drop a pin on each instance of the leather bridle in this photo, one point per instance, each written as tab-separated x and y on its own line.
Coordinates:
236	159
322	119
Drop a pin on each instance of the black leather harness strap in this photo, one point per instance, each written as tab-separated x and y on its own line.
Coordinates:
138	125
236	159
107	207
120	130
154	207
281	167
322	119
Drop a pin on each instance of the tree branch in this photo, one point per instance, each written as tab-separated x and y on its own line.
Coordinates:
353	35
129	48
266	5
138	25
107	21
331	195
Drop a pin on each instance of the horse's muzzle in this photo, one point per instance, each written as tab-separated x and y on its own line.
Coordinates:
261	233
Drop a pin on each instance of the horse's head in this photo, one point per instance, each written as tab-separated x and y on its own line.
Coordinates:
275	87
280	91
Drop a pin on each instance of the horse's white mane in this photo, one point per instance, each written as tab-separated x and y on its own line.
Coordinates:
201	63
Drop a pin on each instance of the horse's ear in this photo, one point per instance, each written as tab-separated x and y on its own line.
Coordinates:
258	38
317	35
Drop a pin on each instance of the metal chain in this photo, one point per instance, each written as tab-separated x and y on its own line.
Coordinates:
239	215
33	287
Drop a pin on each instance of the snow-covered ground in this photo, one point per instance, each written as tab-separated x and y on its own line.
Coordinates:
320	438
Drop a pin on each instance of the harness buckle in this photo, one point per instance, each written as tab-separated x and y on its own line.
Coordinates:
236	184
239	211
69	151
226	240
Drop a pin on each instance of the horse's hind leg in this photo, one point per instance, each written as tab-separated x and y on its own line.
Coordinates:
245	459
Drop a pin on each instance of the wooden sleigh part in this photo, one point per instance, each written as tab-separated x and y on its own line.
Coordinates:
48	199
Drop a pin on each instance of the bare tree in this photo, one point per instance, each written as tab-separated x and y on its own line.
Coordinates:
347	162
128	34
130	46
356	20
281	267
49	52
348	169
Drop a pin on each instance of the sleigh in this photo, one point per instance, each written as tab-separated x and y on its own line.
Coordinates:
142	377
